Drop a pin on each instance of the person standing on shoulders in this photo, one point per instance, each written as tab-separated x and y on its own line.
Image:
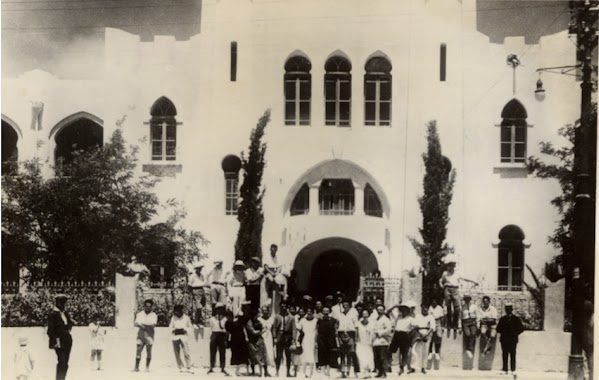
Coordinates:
450	282
59	332
382	329
216	279
146	321
509	327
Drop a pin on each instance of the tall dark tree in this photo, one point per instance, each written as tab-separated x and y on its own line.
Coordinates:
558	165
250	213
439	179
89	224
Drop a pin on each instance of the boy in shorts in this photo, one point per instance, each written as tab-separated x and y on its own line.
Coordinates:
146	321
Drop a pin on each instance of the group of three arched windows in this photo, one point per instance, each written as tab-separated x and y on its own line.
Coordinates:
338	91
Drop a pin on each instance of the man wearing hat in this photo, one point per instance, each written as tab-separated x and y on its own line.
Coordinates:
285	334
254	276
236	283
197	281
509	327
218	338
59	332
216	279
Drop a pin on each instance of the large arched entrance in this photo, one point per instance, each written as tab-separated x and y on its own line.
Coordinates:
333	264
79	132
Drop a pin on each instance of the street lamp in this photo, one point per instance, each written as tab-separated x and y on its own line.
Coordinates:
540	91
562	70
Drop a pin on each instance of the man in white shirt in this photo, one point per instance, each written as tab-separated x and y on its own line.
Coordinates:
253	276
216	279
146	321
382	336
180	327
438	313
424	325
197	281
487	320
346	333
401	337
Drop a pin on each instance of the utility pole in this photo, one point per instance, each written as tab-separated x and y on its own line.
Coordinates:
584	17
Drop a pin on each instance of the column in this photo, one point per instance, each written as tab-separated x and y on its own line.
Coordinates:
314	207
358	200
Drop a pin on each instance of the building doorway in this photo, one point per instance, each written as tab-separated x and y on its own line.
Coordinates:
333	271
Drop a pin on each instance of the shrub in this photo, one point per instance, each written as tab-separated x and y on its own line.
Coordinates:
32	308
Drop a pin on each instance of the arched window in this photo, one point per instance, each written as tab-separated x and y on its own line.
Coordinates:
336	197
163	130
513	132
81	134
231	166
298	91
337	88
377	92
372	203
510	258
10	153
301	202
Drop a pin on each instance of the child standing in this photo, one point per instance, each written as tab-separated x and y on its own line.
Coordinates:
23	360
97	340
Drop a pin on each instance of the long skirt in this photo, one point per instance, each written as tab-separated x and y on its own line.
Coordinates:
257	351
365	356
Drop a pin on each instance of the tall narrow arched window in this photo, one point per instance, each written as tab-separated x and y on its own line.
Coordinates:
372	203
337	88
298	91
163	130
377	92
301	202
510	258
513	132
336	197
231	166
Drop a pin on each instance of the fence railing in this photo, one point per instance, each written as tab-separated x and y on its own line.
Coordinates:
10	287
68	286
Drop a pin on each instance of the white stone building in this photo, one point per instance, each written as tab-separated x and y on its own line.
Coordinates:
351	86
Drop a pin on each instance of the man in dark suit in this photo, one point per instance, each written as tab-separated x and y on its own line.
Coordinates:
59	332
284	334
509	326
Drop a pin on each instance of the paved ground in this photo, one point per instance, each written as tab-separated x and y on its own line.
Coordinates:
120	357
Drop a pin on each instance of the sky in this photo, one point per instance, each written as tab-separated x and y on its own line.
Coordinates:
65	37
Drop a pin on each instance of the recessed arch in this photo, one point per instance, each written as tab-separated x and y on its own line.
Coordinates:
378	54
72	118
163	107
13	124
337	169
511	232
338	61
514	109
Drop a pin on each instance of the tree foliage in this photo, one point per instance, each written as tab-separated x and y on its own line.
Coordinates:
558	164
89	223
250	213
439	179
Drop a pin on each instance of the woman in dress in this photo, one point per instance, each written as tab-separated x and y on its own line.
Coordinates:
266	319
309	342
257	349
296	357
238	343
364	347
326	330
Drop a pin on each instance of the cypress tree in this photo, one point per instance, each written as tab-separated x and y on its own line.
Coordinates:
250	213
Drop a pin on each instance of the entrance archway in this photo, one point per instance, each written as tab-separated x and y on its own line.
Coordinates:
333	264
80	134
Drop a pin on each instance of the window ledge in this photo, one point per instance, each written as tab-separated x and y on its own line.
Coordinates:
511	170
160	169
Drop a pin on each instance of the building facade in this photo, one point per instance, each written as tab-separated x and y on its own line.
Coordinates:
351	86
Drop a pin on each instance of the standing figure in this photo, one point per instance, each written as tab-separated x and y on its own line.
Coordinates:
346	333
146	321
509	326
284	334
275	278
197	281
326	332
450	282
257	349
253	277
308	327
96	340
59	332
267	320
382	337
237	342
487	317
401	337
424	325
216	279
180	327
438	313
296	355
23	361
469	326
364	349
218	338
236	286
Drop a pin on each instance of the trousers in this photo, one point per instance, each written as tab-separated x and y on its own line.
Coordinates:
218	341
63	354
218	293
508	348
178	346
381	355
469	328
